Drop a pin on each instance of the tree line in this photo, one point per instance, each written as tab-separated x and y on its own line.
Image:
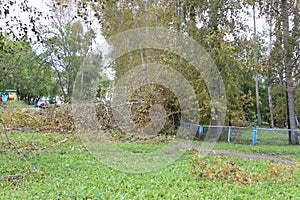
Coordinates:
260	69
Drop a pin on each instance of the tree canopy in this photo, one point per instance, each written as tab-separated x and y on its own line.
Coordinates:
260	68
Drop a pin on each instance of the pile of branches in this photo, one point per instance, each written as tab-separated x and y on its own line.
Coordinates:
58	120
140	116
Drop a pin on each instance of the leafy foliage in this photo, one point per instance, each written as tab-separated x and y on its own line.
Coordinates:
66	45
59	120
215	24
230	170
23	70
220	26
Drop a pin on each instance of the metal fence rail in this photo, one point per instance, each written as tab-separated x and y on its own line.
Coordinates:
242	135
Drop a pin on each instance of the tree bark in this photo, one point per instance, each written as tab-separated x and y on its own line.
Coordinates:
270	103
142	55
256	72
269	78
293	136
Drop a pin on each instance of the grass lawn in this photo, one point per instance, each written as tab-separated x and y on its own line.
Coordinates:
69	171
15	104
263	149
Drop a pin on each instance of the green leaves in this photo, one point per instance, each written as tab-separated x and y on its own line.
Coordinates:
23	70
66	45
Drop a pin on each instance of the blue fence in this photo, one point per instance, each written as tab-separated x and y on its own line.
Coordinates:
242	135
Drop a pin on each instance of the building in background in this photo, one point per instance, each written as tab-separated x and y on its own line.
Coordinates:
12	94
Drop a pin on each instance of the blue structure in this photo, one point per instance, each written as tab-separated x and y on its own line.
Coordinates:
201	129
244	135
4	96
228	135
254	136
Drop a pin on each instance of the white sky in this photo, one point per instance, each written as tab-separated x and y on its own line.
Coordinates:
41	5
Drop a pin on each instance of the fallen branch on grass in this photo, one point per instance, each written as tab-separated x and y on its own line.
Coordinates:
19	129
60	142
18	176
45	148
15	146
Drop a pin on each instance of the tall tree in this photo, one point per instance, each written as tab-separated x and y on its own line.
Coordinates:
66	43
23	70
209	22
285	56
269	74
258	112
289	69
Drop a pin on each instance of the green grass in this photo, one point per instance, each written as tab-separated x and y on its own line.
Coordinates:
69	171
273	149
276	150
140	148
15	104
264	137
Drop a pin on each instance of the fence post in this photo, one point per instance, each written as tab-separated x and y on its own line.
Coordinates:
254	136
228	137
200	130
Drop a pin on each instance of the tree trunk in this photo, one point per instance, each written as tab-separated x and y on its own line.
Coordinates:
270	103
257	99
142	55
293	136
269	78
256	72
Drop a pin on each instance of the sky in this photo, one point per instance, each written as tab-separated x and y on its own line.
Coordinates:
41	5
